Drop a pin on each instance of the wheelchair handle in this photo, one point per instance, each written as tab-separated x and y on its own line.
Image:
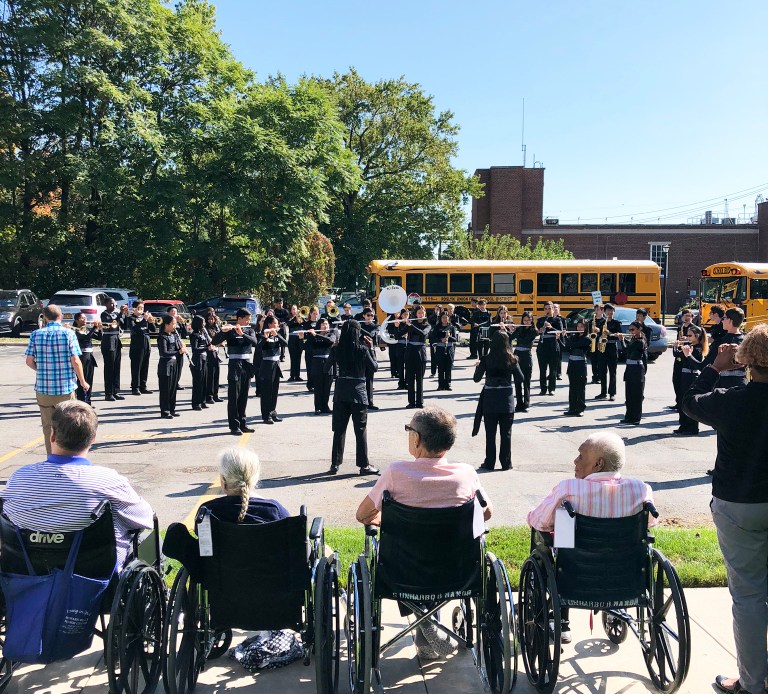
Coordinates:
371	530
316	530
648	506
99	510
481	499
569	507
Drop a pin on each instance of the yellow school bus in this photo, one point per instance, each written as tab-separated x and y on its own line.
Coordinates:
735	284
522	285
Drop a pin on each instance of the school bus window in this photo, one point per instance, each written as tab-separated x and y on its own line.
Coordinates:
588	282
482	283
547	283
503	282
414	283
627	282
386	281
526	286
461	283
607	283
437	283
570	283
758	289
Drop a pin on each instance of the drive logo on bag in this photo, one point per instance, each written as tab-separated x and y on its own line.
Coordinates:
46	538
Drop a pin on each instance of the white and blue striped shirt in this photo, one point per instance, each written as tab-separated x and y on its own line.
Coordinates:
59	494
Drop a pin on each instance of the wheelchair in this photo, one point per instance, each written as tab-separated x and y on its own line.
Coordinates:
134	601
612	569
426	558
259	577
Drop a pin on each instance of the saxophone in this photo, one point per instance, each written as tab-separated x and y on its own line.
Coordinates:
593	337
603	338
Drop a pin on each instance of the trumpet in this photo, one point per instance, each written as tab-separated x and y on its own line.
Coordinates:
114	324
304	312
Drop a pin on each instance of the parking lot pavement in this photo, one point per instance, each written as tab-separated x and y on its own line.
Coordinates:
173	463
590	664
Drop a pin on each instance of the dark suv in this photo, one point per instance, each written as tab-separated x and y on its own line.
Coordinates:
226	306
20	310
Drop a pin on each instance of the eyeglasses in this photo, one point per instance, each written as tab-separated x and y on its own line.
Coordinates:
409	428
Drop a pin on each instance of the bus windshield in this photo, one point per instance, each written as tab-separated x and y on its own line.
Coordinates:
726	290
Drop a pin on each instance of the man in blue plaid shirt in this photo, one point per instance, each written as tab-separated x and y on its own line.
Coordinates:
54	355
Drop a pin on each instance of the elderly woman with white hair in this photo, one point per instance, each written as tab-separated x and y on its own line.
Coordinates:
597	489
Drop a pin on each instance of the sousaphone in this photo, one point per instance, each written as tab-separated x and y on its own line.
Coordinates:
392	299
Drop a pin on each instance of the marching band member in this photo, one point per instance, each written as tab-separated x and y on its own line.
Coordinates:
472	330
732	321
597	357
111	323
682	338
174	313
610	357
202	351
140	327
283	316
434	319
578	347
397	351
347	312
368	329
716	333
269	369
240	340
314	317
169	347
366	303
416	357
213	362
561	340
694	355
320	341
501	319
524	335
548	350
444	338
85	335
296	324
634	374
496	405
481	318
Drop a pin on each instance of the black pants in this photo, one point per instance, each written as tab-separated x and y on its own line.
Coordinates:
342	411
369	386
392	361
523	390
111	372
577	389
238	381
502	422
321	384
677	376
200	378
308	365
432	359
398	352
634	388
167	380
139	355
483	347
444	365
179	367
214	371
611	362
548	357
473	343
415	366
89	363
269	385
295	348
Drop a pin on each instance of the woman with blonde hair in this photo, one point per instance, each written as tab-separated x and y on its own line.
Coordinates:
693	358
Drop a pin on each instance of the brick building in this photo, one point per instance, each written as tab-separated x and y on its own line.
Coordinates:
514	203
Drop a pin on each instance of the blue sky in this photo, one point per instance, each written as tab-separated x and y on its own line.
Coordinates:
631	107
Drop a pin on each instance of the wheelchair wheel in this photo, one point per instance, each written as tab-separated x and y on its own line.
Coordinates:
184	641
6	666
497	628
327	615
615	627
667	649
118	614
222	640
539	622
358	627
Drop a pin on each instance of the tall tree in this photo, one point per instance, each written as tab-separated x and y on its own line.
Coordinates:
504	247
410	196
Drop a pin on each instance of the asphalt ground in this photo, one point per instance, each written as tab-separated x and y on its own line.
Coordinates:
173	463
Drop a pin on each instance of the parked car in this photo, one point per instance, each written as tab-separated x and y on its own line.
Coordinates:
92	302
20	310
625	316
353	299
696	317
157	307
226	306
122	297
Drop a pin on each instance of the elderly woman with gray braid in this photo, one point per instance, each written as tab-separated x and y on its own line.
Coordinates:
239	472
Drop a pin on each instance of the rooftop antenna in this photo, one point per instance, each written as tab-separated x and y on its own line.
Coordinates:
523	135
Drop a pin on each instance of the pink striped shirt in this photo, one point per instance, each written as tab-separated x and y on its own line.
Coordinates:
601	495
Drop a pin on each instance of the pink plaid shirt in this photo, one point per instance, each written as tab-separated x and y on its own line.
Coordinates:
601	495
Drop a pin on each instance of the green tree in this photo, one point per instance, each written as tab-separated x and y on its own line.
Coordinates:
410	196
504	247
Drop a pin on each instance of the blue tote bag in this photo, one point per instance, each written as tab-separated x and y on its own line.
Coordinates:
50	617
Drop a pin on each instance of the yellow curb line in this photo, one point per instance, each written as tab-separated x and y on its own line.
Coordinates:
28	444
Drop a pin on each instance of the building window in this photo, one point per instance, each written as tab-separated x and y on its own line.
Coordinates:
437	284
504	283
659	257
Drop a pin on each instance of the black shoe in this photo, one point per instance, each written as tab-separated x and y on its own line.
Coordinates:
109	398
145	391
369	470
448	388
246	429
166	415
602	396
209	401
135	391
327	410
611	397
282	358
181	387
275	418
730	685
298	378
410	406
119	397
710	472
627	421
486	467
235	432
197	408
203	406
543	392
507	467
175	414
551	392
216	398
333	470
559	378
683	432
674	408
373	407
568	413
268	420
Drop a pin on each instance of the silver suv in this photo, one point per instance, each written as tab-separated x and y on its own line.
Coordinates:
20	310
91	302
122	297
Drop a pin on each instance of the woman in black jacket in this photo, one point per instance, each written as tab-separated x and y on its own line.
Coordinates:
212	326
85	336
169	347
497	399
295	344
200	343
694	355
269	369
578	346
352	355
444	338
634	374
524	335
320	341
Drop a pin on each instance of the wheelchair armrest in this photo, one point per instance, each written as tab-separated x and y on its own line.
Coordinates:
317	528
481	499
648	506
371	530
568	506
96	513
